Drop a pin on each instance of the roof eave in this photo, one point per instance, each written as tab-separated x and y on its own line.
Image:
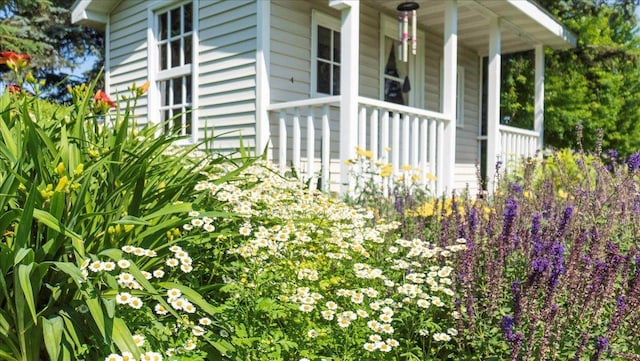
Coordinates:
564	37
85	12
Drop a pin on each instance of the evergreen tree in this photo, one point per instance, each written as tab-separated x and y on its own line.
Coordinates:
43	29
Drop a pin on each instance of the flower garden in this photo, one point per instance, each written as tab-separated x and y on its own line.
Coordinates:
118	245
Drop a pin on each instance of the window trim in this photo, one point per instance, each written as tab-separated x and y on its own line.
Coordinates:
319	18
416	69
155	75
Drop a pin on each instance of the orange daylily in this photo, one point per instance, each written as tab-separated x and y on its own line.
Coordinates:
14	60
102	102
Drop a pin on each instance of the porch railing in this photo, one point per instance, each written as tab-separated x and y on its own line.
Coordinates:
517	143
313	115
398	134
404	136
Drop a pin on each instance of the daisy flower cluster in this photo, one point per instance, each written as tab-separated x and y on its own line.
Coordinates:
332	263
176	311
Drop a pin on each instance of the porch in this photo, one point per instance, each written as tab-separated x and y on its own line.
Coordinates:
400	135
314	135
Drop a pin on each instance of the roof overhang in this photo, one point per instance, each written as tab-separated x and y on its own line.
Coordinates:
92	13
523	23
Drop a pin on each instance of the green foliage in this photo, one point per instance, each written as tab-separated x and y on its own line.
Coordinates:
43	29
75	187
595	84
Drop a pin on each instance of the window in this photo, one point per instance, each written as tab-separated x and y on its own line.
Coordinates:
174	39
326	54
400	82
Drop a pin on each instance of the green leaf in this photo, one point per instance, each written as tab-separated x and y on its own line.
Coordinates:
24	272
51	222
193	296
123	338
52	333
132	220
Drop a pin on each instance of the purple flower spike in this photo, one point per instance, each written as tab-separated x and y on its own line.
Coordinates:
633	162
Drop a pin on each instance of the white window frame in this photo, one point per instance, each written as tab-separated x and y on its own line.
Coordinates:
155	75
460	88
416	69
321	19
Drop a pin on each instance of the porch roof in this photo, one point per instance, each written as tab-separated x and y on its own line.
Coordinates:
524	23
91	13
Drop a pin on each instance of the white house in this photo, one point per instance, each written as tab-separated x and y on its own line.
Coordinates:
313	79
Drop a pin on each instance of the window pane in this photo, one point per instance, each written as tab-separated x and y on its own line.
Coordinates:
162	26
175	22
188	16
336	80
164	96
187	50
162	56
188	120
175	53
324	78
336	46
324	43
177	121
177	91
165	116
188	88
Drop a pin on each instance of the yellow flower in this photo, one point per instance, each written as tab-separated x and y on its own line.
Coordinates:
562	194
60	169
432	177
386	170
406	167
62	184
79	169
364	153
426	210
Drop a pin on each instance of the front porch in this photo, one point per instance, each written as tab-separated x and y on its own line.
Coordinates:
307	142
314	136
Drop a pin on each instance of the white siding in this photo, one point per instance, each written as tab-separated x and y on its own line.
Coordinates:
227	67
128	51
226	63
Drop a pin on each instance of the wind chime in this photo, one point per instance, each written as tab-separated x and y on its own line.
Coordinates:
406	10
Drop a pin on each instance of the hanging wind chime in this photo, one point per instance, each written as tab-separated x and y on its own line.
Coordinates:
406	10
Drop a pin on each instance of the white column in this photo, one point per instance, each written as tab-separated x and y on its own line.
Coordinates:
449	92
262	77
493	102
349	53
538	124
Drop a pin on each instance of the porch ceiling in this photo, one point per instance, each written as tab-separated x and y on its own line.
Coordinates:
524	24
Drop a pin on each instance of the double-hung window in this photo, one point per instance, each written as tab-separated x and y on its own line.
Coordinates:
325	48
174	41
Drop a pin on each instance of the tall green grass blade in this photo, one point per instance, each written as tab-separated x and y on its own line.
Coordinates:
24	273
52	333
123	338
50	221
24	226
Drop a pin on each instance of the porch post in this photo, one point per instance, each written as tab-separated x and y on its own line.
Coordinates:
493	102
539	96
349	70
449	94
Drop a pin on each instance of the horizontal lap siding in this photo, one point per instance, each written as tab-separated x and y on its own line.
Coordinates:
128	51
227	72
290	76
467	149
